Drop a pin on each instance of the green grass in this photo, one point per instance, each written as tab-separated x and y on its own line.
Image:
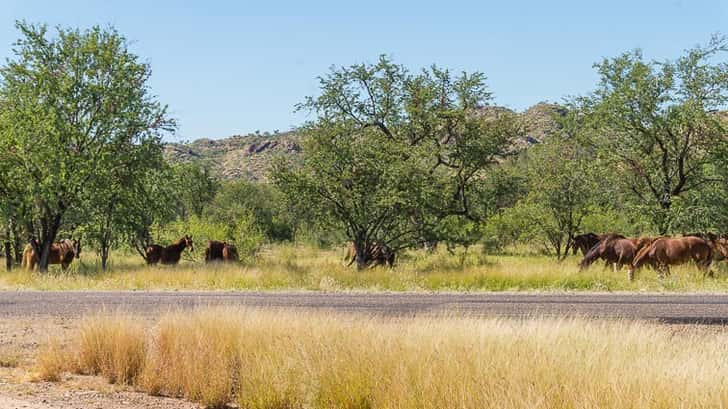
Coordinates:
293	267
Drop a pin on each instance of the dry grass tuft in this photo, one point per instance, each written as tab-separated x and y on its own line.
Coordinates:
114	347
284	359
53	360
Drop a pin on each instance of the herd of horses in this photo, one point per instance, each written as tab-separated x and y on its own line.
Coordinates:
657	252
64	251
215	251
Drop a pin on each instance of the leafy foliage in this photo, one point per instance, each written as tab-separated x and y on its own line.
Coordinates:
77	117
656	125
394	154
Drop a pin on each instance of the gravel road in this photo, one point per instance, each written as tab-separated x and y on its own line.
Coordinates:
668	308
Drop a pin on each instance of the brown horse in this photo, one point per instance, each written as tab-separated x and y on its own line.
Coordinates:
614	249
170	254
229	253
220	251
666	251
720	247
585	242
62	252
379	255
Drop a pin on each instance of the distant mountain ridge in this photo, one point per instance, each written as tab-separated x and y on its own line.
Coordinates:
249	156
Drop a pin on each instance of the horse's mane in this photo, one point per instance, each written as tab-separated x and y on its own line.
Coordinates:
177	244
644	251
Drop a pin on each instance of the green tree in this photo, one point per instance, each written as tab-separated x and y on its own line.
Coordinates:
391	150
236	200
123	205
77	99
656	123
562	186
195	187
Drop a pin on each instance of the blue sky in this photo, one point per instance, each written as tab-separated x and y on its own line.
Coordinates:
231	67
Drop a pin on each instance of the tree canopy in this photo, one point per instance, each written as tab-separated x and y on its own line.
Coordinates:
76	114
392	153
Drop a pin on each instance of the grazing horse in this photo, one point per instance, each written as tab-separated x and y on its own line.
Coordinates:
716	242
379	255
666	251
229	253
220	251
585	242
615	249
170	254
62	252
720	247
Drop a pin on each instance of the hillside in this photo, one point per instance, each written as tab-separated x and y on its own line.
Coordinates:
238	156
248	156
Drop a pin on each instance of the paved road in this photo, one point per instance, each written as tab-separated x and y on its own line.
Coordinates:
690	308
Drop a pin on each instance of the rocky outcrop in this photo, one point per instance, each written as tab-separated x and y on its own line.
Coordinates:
249	156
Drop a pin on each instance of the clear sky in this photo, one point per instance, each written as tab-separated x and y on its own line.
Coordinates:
231	67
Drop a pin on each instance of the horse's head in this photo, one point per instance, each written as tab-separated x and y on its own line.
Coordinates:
76	245
188	242
720	245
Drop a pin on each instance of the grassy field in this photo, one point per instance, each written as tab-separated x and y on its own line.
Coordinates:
281	359
282	267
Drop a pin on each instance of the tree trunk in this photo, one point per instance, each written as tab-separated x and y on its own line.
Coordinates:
104	254
45	251
362	253
17	242
8	251
50	231
662	222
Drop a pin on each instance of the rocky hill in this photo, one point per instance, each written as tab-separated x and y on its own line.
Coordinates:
248	156
238	156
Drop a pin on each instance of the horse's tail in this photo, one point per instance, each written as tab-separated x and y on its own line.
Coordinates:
26	261
643	254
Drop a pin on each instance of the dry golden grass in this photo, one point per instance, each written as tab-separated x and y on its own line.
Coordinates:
303	267
52	361
286	359
114	347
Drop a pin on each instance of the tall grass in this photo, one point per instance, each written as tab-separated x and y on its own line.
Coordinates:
283	359
302	267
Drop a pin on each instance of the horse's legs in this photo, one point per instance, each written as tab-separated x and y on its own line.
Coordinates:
705	266
661	269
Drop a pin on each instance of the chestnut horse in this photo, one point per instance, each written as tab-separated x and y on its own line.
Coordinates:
62	252
666	251
170	254
220	251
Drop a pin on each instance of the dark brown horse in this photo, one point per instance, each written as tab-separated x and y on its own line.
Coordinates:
62	252
664	252
170	254
585	242
378	255
229	253
220	251
615	249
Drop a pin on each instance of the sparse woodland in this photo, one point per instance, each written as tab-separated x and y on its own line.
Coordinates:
394	156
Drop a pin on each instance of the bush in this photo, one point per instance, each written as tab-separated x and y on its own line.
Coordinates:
243	232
